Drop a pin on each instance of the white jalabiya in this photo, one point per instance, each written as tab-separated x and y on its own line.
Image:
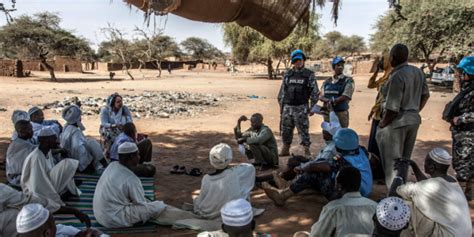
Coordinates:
46	180
17	152
439	208
119	200
216	190
11	201
81	148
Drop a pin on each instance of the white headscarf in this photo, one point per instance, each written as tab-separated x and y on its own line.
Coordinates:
19	115
220	156
72	115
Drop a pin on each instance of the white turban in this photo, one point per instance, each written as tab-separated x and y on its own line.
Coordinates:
220	156
237	213
127	148
31	217
393	213
19	115
72	115
441	156
46	132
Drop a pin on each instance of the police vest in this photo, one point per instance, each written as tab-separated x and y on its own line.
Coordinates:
334	90
297	90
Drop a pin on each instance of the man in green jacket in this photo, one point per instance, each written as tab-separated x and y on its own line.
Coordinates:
258	141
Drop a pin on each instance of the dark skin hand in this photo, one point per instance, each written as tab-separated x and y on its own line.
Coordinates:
401	166
78	214
388	118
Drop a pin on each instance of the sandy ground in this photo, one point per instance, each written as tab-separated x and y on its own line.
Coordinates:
186	141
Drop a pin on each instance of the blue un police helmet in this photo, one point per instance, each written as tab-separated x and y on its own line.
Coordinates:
346	139
297	54
337	60
467	65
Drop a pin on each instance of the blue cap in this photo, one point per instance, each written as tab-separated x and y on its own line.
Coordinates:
337	60
297	54
346	139
467	65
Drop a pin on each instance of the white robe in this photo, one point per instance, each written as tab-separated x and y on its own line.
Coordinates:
11	202
46	180
82	149
233	183
119	200
439	208
17	152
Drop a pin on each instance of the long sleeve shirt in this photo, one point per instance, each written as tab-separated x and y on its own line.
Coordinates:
351	214
263	136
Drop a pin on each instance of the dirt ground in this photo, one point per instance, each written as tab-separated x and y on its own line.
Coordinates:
186	141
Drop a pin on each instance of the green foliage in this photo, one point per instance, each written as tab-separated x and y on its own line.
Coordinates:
249	45
431	27
201	49
31	36
350	45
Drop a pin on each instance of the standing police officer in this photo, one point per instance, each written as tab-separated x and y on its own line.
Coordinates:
337	91
298	87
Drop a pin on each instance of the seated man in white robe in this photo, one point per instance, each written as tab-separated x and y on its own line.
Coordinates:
37	120
18	150
36	221
11	201
119	200
45	179
88	152
225	184
438	204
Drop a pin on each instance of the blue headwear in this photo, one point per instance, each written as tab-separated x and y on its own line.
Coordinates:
297	54
337	60
346	139
467	65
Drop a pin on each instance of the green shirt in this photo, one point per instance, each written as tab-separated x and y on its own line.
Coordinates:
263	136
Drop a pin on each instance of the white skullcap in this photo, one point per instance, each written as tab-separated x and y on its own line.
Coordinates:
393	213
31	217
220	156
127	148
46	132
72	114
441	156
33	110
19	115
237	213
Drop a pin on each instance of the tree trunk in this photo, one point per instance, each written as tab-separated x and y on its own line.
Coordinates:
49	68
269	68
158	66
124	67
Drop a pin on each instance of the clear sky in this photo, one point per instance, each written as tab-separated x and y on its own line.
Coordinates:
86	17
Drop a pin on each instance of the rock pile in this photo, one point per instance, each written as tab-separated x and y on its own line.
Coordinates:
148	104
